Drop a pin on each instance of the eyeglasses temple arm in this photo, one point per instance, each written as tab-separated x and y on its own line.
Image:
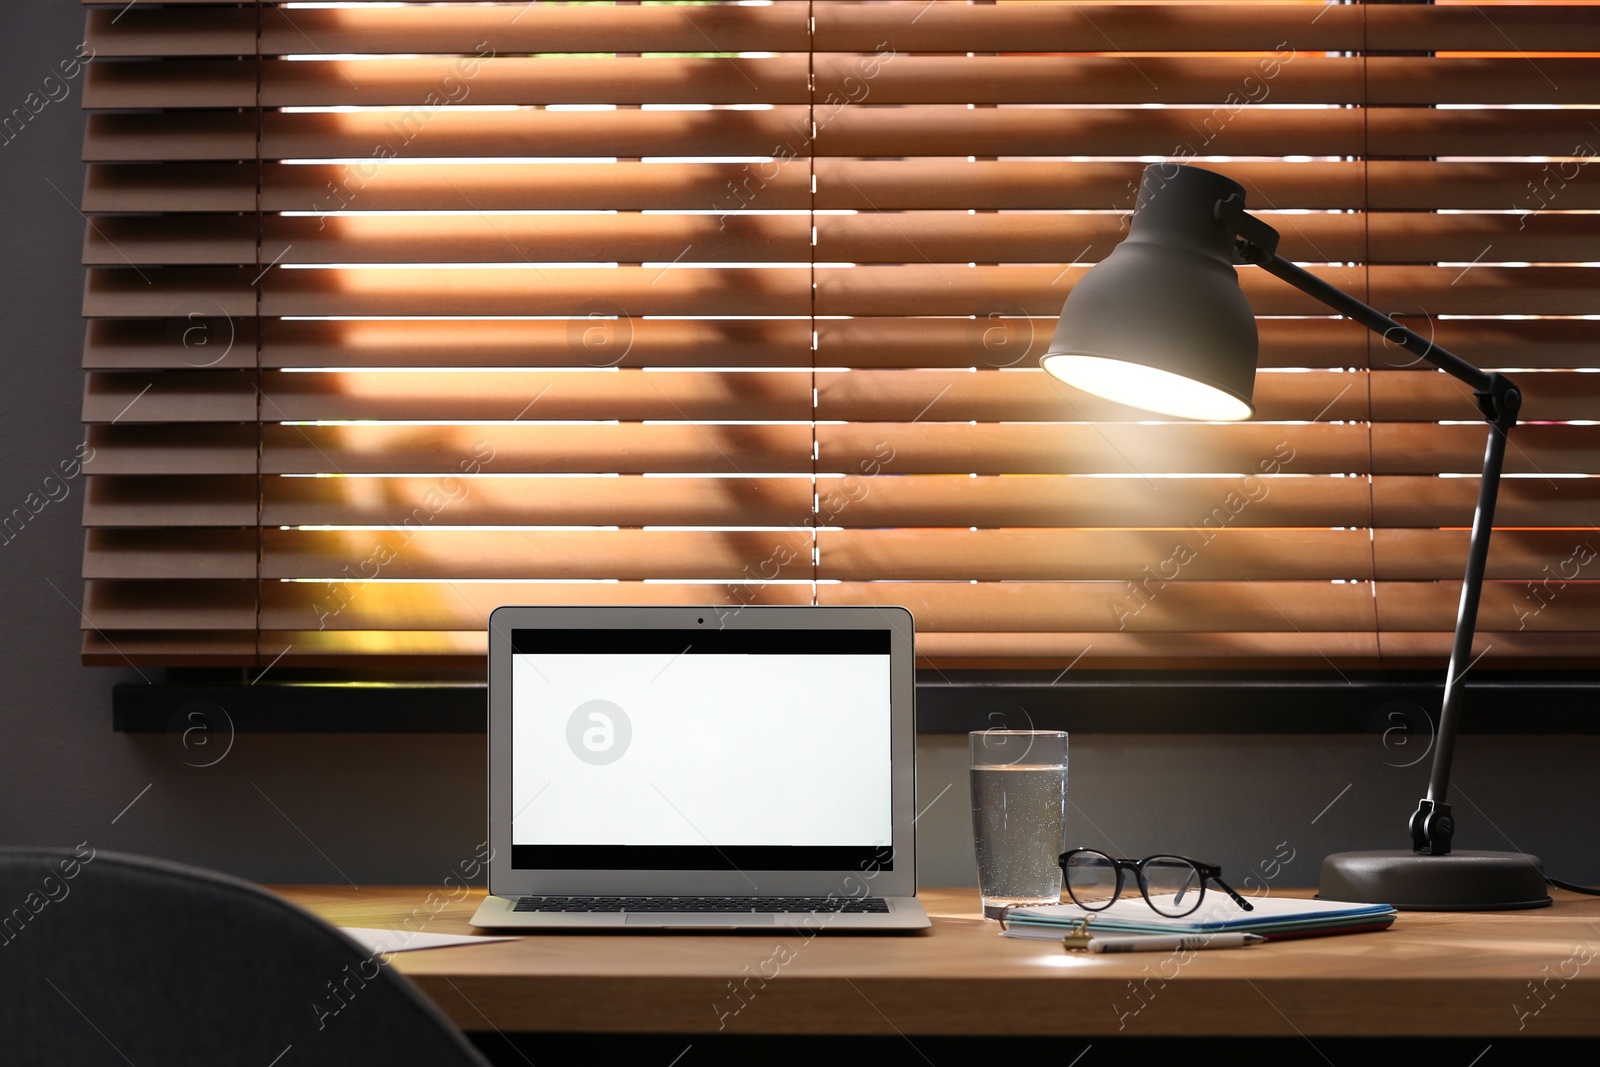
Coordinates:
1237	899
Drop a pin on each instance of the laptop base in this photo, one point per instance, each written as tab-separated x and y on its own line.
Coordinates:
902	914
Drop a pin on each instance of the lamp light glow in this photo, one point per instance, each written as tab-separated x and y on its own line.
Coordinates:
1150	388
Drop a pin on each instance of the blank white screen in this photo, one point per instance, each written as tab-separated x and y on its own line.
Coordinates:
725	750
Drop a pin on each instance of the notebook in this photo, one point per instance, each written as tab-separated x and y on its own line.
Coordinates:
701	768
1272	917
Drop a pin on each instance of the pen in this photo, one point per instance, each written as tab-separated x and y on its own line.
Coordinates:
1158	943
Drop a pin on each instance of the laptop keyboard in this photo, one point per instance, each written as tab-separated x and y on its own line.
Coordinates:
691	905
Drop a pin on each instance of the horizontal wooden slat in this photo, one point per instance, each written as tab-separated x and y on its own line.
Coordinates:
537	396
1547	396
399	186
1233	83
1091	607
960	237
629	555
867	500
1498	343
170	292
1151	559
1561	79
1547	558
863	501
938	27
528	290
933	289
930	236
443	133
202	604
1049	448
457	651
226	605
955	130
1055	448
1529	649
599	335
171	32
521	448
1024	395
1401	448
1515	27
1135	501
1264	27
466	605
538	501
455	28
1067	27
534	396
785	132
455	238
1486	132
1001	335
1528	500
856	185
434	82
176	501
170	554
1030	395
183	648
136	398
1505	606
128	448
867	185
839	26
1002	650
389	502
1283	77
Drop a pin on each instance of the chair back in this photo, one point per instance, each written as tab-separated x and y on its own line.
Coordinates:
116	959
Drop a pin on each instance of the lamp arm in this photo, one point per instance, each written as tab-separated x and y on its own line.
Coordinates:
1499	400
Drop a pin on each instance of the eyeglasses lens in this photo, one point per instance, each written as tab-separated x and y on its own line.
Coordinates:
1173	884
1091	880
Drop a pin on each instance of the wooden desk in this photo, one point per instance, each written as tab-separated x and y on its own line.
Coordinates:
1529	974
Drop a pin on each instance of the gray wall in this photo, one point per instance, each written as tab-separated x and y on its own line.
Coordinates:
375	809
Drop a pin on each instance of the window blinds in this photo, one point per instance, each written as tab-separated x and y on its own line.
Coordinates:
399	312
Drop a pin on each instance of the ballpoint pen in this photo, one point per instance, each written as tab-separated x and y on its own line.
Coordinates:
1160	943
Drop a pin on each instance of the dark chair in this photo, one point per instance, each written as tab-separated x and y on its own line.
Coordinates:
115	959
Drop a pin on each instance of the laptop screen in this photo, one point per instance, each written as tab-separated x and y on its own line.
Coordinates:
759	749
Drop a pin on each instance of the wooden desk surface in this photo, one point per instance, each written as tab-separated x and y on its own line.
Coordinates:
1531	974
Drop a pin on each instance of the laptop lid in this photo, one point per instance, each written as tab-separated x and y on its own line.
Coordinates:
681	751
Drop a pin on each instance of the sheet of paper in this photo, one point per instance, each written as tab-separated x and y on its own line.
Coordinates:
378	940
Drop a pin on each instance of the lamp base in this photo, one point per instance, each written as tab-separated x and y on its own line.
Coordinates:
1459	881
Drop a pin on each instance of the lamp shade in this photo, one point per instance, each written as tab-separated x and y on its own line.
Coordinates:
1161	323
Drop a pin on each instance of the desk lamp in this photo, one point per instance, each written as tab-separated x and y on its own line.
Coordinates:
1162	324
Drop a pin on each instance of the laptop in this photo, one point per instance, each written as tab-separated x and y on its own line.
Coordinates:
701	768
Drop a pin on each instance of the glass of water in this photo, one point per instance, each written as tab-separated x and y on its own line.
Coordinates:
1019	815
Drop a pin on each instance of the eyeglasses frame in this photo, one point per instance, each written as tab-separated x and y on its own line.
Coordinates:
1207	872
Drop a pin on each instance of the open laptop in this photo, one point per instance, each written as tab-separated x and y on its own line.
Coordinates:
701	768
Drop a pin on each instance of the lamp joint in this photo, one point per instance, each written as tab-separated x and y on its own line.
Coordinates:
1432	827
1499	402
1253	240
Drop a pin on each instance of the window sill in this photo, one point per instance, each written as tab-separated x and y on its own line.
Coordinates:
948	703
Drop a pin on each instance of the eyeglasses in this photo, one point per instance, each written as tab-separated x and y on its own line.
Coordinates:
1173	886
